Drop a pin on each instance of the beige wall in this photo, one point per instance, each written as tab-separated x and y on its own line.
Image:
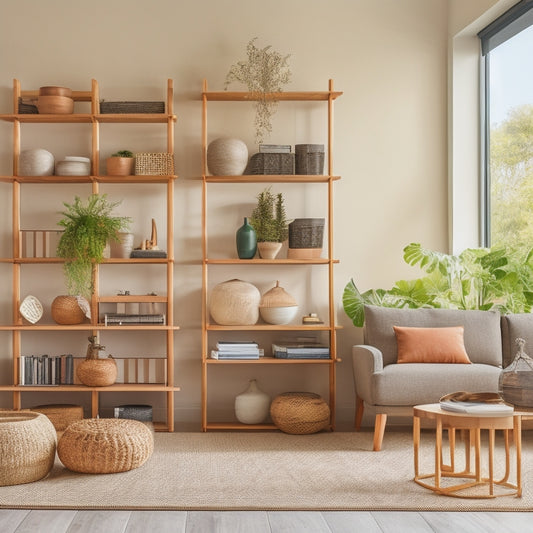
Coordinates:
388	56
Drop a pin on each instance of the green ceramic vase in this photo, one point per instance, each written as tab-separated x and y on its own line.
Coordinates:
246	241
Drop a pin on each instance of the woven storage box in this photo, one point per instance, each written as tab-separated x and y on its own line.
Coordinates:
309	158
266	163
27	447
132	107
300	413
306	233
27	106
105	445
134	412
154	164
61	415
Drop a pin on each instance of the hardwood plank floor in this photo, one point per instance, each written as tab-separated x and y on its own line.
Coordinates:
45	521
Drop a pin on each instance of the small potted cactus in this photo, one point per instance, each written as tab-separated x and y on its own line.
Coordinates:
120	163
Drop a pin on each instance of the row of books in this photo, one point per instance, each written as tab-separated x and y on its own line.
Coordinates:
120	319
285	350
61	370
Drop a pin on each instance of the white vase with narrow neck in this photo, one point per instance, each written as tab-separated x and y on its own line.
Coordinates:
253	405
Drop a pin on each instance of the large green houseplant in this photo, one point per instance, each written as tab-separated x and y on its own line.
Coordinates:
87	229
269	220
478	278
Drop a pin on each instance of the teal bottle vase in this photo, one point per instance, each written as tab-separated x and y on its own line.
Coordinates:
246	241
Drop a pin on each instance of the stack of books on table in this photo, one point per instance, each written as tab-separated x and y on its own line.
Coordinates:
236	350
296	350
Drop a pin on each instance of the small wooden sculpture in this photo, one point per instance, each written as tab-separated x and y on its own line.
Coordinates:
151	244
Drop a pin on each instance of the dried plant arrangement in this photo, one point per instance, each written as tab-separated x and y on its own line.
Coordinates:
265	72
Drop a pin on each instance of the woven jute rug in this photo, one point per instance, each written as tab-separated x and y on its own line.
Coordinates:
270	471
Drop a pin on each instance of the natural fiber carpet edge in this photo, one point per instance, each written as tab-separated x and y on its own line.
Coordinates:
266	471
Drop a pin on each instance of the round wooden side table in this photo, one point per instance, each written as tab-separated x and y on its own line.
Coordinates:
472	425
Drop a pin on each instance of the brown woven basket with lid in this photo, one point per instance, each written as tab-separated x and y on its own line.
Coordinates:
277	297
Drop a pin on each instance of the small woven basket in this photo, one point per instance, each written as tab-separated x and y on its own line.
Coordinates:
61	415
132	107
309	159
300	413
66	310
105	445
271	164
154	164
277	297
97	372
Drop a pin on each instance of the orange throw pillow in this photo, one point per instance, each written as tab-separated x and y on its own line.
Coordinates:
431	345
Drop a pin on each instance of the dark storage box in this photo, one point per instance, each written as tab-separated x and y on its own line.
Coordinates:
309	158
267	163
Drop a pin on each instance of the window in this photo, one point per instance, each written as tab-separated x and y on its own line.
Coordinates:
507	49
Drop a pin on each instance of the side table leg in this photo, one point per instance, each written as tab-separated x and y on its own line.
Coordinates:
517	430
438	452
477	445
491	462
416	442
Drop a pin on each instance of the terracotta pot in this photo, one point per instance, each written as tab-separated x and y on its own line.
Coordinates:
97	372
119	166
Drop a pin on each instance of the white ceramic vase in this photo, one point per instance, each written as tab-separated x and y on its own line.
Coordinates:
123	247
227	157
253	405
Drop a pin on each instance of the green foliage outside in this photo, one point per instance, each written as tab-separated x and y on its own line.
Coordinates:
87	229
511	176
479	278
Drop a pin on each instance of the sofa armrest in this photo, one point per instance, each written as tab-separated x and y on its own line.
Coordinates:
367	360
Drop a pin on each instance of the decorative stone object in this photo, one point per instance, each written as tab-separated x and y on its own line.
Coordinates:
252	405
36	162
227	157
27	447
235	303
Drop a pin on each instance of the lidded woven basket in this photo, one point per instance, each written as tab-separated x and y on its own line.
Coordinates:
277	297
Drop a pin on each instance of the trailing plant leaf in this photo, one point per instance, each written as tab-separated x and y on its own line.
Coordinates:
478	278
87	229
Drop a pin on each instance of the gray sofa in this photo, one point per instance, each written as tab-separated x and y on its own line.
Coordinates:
390	388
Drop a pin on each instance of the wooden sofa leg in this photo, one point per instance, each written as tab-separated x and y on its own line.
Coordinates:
379	430
359	408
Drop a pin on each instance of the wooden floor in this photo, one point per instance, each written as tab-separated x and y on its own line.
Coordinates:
35	521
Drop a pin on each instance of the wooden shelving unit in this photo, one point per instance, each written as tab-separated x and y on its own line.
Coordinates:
19	327
329	326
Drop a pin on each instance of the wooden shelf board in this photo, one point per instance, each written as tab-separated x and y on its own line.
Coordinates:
141	298
271	327
88	118
272	178
117	387
259	261
287	96
270	361
88	179
237	426
86	327
134	118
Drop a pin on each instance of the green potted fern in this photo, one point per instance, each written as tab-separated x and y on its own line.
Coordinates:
88	227
270	223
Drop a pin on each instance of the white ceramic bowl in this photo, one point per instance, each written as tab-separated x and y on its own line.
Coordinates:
73	168
278	315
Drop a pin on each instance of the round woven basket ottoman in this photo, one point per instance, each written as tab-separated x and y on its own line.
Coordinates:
105	445
299	413
27	447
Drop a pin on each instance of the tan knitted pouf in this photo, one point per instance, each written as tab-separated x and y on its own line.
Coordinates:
61	415
299	413
27	447
105	445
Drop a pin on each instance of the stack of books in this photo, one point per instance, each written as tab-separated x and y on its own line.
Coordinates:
46	370
236	350
297	350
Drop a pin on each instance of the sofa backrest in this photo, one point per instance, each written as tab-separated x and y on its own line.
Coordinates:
515	326
482	335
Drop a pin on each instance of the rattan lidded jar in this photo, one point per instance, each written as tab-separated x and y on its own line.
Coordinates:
277	306
300	413
235	303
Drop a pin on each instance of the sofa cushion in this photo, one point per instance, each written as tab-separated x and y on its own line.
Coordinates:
431	345
482	336
416	383
515	326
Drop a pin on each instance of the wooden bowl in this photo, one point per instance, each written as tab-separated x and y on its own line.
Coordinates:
55	105
53	90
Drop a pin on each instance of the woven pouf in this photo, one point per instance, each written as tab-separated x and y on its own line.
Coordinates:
61	415
27	447
299	413
105	445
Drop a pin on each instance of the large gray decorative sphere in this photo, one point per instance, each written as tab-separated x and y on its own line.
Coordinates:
227	157
37	162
